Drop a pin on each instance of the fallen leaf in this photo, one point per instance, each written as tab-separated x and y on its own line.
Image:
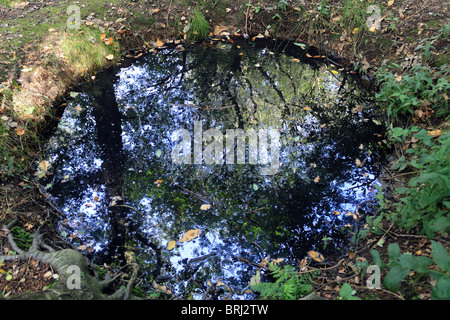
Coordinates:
277	261
307	108
317	179
155	11
355	30
171	245
228	10
89	23
219	29
159	43
78	108
316	256
358	163
334	72
95	198
390	3
205	206
108	41
433	133
336	213
103	36
20	131
190	235
109	57
43	167
219	283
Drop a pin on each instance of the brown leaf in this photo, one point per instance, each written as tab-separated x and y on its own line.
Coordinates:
189	235
219	29
20	131
159	43
316	256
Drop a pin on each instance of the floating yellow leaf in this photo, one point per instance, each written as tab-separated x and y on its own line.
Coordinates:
205	206
189	235
171	245
316	256
317	179
358	163
219	283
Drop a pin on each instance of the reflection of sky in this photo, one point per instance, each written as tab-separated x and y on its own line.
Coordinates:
144	92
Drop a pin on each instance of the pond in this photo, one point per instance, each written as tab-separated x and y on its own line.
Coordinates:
199	162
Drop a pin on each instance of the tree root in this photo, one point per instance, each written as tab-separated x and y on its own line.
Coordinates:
75	280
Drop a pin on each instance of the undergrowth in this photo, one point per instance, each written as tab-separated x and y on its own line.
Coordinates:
289	284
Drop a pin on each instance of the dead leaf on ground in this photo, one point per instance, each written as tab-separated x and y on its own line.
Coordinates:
20	131
205	207
219	29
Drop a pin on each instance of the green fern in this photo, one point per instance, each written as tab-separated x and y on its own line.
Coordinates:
289	284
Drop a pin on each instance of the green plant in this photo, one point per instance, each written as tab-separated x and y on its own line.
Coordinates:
401	265
197	28
347	293
22	238
354	15
424	201
417	88
289	284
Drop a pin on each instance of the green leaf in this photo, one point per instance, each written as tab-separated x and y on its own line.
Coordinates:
395	276
158	153
346	290
376	258
418	264
394	252
440	255
441	291
440	224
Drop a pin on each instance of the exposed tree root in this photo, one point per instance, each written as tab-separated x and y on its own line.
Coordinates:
75	280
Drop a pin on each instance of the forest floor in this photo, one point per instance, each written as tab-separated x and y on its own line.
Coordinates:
42	59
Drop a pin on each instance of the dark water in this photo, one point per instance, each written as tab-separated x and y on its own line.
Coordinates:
114	175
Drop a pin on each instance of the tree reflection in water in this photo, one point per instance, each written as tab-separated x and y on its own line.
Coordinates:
125	198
